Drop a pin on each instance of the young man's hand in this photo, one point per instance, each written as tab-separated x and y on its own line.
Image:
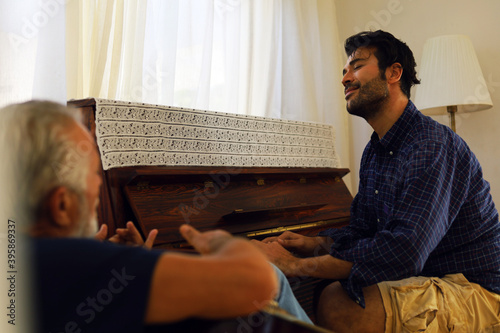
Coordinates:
303	245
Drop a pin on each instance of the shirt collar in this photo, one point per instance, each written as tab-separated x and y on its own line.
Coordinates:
391	140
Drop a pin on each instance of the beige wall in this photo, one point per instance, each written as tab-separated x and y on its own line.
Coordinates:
414	21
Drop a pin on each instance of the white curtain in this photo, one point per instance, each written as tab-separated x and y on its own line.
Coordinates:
274	58
261	57
32	40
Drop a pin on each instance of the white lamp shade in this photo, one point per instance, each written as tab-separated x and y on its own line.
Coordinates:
451	75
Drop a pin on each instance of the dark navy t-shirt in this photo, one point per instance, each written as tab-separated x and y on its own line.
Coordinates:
84	285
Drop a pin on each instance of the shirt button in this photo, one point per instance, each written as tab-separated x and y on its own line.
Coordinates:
390	153
376	191
378	220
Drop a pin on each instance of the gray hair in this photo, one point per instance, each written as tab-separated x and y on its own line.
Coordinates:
40	155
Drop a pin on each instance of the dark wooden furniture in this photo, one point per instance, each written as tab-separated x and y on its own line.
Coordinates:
248	202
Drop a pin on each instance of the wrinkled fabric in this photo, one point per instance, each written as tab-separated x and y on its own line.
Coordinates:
448	304
286	299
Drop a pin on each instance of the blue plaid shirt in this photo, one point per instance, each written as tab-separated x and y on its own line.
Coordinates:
423	208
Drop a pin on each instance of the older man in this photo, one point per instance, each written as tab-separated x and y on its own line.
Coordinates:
89	286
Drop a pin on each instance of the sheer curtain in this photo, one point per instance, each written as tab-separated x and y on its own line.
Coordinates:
261	57
32	53
278	59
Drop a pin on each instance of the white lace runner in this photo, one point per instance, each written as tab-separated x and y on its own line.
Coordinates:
136	134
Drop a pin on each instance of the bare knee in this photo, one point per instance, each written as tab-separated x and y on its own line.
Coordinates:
336	311
330	305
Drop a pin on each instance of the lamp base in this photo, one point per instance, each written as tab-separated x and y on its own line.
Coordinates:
452	110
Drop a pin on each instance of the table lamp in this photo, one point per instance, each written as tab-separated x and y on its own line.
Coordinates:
451	78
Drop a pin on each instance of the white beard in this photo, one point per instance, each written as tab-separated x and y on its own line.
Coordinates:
90	229
87	225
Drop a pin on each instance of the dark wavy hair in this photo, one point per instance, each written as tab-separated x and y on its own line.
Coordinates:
389	50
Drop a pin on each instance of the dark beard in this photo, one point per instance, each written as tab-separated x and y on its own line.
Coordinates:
370	100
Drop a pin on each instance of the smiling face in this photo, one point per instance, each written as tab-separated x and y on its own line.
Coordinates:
365	87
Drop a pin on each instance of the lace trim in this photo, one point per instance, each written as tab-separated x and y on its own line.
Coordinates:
132	134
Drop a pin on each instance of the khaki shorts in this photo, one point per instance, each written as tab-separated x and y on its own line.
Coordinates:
448	304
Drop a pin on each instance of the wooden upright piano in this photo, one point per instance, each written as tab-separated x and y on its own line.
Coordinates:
252	176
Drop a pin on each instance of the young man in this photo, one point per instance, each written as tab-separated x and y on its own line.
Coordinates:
422	250
84	285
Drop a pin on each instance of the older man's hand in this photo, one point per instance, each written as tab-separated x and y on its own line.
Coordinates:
127	236
205	242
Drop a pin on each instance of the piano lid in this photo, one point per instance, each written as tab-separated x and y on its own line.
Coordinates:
243	201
